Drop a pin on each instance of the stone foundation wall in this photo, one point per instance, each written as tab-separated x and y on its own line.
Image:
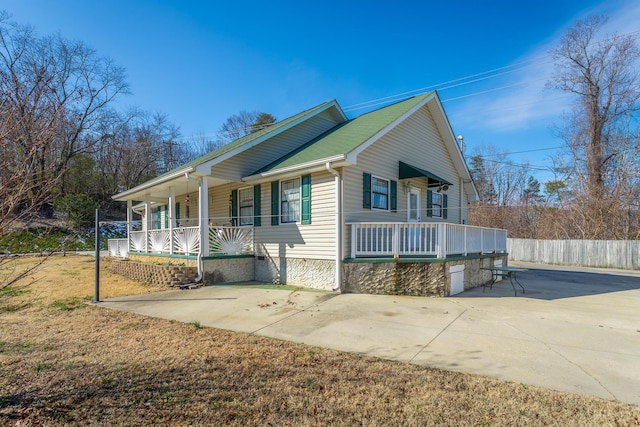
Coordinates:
309	273
225	270
162	275
431	278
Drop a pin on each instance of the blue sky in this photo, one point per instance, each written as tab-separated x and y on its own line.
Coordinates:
202	61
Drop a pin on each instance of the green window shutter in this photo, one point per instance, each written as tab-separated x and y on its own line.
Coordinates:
429	203
234	207
275	201
166	216
366	190
393	202
444	206
305	198
257	211
177	214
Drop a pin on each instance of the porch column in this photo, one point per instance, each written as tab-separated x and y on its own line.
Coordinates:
203	214
147	221
172	220
129	221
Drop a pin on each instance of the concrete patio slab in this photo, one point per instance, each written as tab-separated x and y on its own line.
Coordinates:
574	329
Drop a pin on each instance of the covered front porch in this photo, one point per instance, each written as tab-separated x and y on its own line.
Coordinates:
368	240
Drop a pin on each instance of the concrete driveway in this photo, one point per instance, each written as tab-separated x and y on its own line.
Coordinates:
575	330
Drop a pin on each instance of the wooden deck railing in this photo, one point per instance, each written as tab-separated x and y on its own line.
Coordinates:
424	239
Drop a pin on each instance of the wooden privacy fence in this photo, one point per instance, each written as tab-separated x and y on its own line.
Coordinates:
624	254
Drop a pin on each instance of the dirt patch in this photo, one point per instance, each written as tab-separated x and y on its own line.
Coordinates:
69	363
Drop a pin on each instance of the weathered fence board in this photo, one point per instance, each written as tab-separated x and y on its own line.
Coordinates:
623	254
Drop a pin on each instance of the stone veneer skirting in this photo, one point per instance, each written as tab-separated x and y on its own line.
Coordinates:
415	277
162	275
309	273
228	269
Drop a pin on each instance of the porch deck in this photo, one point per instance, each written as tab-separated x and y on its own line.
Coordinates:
368	240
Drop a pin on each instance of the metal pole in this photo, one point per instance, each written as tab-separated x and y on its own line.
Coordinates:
97	293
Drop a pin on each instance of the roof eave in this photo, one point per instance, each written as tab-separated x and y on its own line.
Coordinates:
205	167
127	195
312	166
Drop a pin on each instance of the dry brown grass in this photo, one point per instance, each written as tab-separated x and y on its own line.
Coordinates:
78	364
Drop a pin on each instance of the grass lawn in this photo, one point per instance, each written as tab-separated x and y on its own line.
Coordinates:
64	362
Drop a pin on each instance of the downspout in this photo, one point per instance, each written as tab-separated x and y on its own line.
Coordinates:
460	201
199	260
339	227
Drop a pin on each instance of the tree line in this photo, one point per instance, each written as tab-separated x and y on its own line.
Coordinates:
65	144
63	141
595	193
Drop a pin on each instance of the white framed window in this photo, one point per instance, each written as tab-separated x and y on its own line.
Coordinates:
245	205
290	206
379	193
437	201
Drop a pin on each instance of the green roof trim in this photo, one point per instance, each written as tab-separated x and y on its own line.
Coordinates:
346	137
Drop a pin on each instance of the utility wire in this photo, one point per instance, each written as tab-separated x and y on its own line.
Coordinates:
462	81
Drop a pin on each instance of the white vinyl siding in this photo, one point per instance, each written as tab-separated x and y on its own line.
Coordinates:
251	160
314	241
415	141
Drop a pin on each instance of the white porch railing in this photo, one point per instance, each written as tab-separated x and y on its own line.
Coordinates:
118	247
231	240
186	241
424	239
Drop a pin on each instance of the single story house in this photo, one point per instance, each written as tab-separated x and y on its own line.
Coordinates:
377	203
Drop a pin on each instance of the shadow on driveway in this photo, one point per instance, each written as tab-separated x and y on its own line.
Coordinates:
551	283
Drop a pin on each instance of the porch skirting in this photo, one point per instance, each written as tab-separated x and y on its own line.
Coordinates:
228	269
306	272
418	277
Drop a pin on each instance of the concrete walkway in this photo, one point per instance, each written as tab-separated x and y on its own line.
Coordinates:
575	330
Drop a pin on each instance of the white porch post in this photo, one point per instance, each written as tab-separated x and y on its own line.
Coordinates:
203	214
172	220
147	220
441	250
129	221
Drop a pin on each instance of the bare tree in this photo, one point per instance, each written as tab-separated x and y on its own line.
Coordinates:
601	132
244	123
54	95
506	191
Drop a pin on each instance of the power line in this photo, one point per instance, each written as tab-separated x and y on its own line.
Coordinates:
462	81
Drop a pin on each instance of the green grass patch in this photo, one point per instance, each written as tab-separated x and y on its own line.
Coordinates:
68	304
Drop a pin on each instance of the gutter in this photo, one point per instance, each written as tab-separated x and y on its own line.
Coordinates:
308	166
339	226
122	196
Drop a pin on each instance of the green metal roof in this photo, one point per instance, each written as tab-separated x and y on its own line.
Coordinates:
212	155
346	137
